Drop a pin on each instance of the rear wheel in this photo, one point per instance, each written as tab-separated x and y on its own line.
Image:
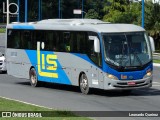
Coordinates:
33	78
84	86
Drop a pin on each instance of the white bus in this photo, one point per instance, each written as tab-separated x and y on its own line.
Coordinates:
87	53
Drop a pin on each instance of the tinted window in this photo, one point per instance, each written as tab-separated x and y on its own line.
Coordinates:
13	39
95	57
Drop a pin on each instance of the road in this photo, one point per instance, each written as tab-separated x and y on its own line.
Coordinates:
2	42
69	98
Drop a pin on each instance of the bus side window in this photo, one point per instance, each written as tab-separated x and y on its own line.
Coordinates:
13	39
40	36
73	42
49	39
66	38
34	40
17	40
61	45
82	42
95	57
25	39
56	39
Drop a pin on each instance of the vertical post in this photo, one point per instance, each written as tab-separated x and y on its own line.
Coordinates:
18	2
7	12
26	10
59	9
143	13
39	10
82	9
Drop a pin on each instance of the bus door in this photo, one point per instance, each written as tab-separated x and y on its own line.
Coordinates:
97	77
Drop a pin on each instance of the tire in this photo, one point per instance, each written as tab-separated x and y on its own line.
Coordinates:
33	78
83	84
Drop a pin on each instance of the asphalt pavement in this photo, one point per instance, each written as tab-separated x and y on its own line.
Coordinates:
2	42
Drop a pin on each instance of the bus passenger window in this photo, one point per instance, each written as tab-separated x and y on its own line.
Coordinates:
13	39
66	38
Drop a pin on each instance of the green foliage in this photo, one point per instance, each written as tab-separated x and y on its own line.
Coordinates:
152	21
92	14
156	61
95	7
121	11
152	16
2	30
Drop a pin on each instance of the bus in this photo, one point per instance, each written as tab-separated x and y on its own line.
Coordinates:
88	53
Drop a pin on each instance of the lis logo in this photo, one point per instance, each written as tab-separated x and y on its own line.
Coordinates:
46	63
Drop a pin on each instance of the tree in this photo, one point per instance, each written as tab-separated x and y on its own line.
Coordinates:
152	20
152	17
121	11
95	7
92	14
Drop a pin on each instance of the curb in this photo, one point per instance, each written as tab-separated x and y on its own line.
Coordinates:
156	64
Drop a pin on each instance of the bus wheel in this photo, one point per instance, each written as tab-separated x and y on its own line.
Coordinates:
33	78
84	86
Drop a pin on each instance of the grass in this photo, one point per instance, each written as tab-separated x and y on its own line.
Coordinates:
156	61
2	30
14	106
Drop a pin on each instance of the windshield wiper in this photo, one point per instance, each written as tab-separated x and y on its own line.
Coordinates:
112	62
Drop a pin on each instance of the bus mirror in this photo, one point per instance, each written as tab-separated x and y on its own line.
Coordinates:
96	45
152	44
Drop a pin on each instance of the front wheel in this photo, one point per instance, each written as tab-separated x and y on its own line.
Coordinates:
33	78
84	86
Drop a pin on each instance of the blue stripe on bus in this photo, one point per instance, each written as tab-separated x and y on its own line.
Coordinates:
62	77
28	27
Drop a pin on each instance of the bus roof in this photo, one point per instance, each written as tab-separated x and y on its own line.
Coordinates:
77	25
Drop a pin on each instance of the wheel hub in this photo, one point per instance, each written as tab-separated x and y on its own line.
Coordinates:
84	84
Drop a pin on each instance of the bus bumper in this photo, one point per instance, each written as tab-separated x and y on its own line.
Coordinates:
127	84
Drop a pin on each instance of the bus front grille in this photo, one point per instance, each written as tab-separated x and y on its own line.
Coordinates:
125	84
130	86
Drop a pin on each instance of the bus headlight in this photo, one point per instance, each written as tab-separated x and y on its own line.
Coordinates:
148	74
110	76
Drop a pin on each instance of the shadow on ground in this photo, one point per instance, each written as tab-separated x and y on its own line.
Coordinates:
98	92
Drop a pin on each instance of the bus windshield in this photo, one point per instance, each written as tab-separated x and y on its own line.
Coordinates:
127	49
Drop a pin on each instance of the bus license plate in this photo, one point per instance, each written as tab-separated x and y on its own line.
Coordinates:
131	83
